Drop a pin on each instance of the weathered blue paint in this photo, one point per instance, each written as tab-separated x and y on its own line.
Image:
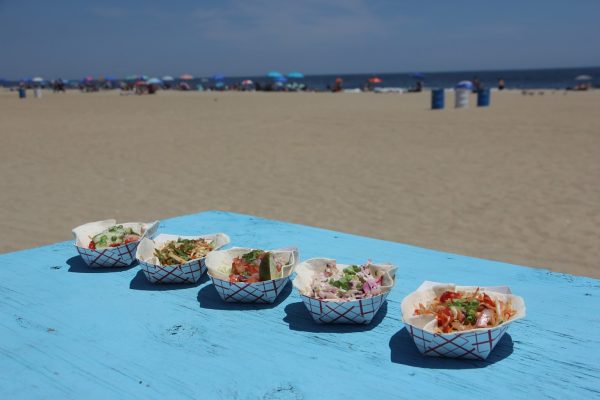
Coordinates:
70	332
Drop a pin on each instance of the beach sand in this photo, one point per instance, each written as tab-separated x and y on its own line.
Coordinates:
517	182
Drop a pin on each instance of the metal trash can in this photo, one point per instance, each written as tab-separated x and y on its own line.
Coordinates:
22	93
437	99
483	97
461	98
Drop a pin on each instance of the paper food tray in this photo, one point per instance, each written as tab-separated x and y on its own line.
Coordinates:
189	272
474	344
240	292
121	256
338	311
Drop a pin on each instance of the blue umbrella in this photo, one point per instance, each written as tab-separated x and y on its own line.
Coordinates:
281	79
464	85
274	74
154	81
218	77
168	78
296	75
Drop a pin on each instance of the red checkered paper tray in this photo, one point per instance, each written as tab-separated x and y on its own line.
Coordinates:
120	256
189	272
337	311
472	343
219	269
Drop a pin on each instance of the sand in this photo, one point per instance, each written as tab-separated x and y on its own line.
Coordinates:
518	182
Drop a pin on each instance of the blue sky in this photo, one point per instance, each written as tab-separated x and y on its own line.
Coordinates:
245	37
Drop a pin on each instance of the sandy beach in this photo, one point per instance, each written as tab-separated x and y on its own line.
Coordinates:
518	182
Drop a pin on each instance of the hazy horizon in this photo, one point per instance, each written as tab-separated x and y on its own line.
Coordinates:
239	38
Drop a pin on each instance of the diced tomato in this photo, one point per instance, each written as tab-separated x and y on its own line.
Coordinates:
92	245
488	300
115	244
444	319
448	296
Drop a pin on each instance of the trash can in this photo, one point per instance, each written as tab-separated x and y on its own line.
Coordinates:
37	93
461	98
22	93
437	99
483	97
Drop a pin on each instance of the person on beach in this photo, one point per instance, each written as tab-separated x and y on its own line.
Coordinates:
337	86
477	86
500	84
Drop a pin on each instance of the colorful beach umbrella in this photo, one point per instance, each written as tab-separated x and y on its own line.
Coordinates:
375	79
168	78
464	85
247	82
186	77
274	74
296	75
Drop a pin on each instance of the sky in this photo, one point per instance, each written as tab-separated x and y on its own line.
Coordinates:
72	39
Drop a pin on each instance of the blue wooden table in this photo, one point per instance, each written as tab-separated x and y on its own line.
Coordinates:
70	332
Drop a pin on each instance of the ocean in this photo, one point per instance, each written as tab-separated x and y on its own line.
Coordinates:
514	79
558	78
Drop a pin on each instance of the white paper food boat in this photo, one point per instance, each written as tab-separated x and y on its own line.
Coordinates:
474	344
120	256
240	292
189	272
339	311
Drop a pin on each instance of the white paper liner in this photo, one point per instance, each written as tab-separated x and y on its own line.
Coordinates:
334	311
240	292
111	257
472	344
189	272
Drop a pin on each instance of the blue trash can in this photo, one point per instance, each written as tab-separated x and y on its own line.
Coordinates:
22	93
437	99
483	97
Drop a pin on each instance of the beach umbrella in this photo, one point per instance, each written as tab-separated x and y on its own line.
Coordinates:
109	78
296	75
88	78
281	79
247	82
154	81
186	77
167	78
218	77
274	74
375	79
131	77
464	85
141	83
38	79
583	78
